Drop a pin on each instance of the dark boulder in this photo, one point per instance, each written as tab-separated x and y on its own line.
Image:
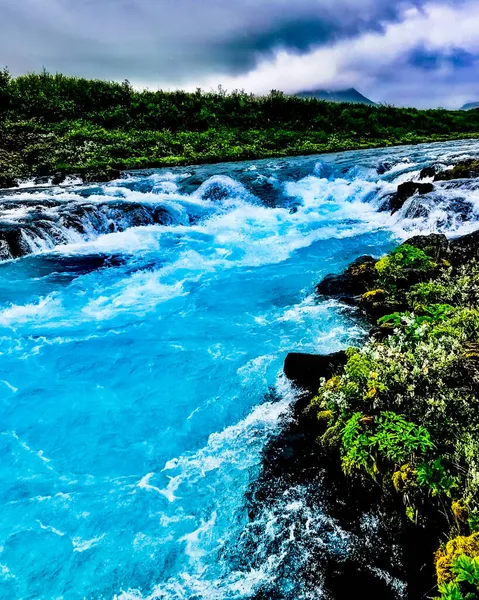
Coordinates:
354	281
465	248
378	303
58	178
306	370
435	245
383	167
100	175
12	242
428	172
406	190
7	181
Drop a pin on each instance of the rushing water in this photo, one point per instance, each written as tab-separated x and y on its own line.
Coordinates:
142	347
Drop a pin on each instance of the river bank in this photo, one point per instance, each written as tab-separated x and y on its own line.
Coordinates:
54	126
392	435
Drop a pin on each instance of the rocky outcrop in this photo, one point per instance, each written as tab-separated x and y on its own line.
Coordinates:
464	248
354	281
467	169
435	245
307	369
360	284
49	223
384	552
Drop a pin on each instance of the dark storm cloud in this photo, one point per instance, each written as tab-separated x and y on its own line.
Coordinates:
457	58
419	52
171	41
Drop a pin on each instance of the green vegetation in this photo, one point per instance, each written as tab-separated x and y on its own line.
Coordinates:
404	410
58	124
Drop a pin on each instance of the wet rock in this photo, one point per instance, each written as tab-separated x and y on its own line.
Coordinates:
7	181
306	370
354	281
12	242
100	175
435	245
377	304
428	172
383	167
465	248
385	552
51	222
58	178
406	190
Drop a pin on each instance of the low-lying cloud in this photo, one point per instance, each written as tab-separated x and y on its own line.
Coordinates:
413	52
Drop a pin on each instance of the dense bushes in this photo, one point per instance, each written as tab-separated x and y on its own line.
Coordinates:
53	122
404	411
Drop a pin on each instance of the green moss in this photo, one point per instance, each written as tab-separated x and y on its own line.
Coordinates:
392	267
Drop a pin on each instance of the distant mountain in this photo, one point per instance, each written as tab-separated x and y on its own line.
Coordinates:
470	106
350	95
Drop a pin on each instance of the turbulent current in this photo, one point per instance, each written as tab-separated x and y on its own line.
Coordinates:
143	325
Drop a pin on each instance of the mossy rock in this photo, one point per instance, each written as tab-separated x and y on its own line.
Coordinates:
467	169
435	245
377	303
448	554
354	281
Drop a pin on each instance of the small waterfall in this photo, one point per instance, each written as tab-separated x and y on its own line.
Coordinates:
27	228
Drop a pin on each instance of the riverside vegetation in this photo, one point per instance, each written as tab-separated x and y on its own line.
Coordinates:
58	125
403	410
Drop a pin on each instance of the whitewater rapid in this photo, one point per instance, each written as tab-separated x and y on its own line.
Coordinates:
143	327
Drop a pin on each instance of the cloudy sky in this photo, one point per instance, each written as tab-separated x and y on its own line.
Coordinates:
416	52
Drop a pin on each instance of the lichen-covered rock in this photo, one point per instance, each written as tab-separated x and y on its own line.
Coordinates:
459	546
378	303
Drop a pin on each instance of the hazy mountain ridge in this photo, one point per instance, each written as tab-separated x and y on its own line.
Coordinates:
348	95
470	106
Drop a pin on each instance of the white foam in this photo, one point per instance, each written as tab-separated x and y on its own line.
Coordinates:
80	545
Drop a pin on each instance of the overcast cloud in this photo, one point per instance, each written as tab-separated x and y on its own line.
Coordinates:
417	52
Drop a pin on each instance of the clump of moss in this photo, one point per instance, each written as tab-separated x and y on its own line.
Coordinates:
451	551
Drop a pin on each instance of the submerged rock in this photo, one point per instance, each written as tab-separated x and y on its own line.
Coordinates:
428	172
48	223
406	190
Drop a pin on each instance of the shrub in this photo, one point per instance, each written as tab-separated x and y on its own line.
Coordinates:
389	437
392	266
